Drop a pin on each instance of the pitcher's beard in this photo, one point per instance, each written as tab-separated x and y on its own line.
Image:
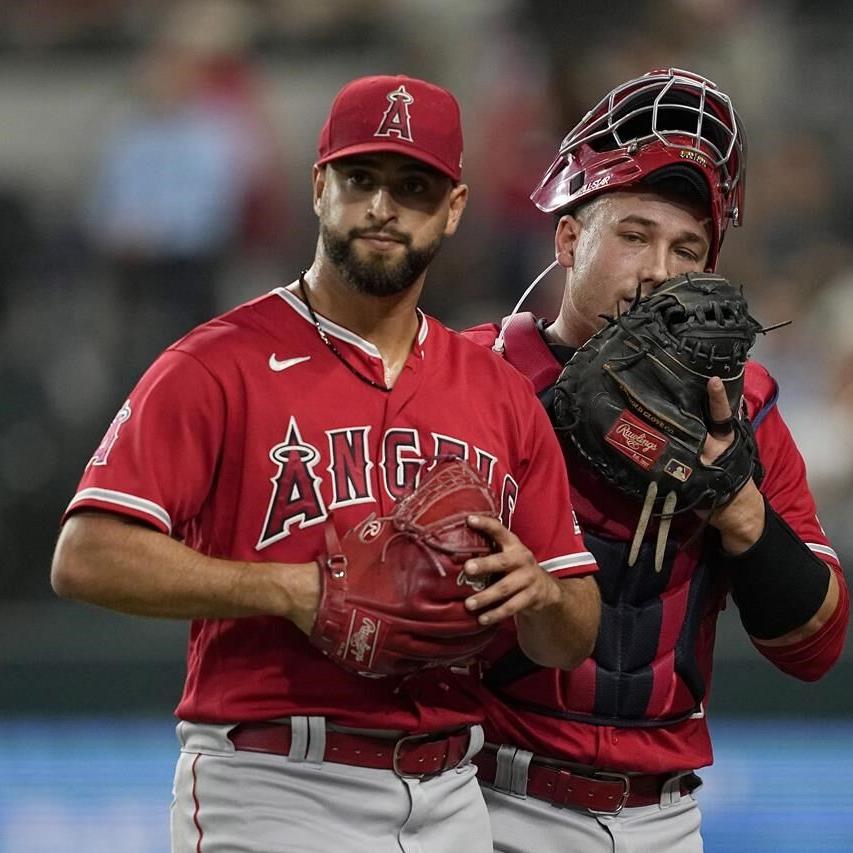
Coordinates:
380	275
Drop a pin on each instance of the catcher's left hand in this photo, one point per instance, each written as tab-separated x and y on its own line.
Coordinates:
394	589
634	400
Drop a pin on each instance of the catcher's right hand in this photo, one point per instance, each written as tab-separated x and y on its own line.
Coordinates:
394	590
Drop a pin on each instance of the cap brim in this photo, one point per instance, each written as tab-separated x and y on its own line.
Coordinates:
404	148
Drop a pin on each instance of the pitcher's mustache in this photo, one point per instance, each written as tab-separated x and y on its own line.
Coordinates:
386	233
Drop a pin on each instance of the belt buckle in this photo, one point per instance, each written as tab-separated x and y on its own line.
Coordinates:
395	756
606	775
426	737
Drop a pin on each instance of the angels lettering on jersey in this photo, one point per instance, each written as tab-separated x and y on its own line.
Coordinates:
298	469
297	500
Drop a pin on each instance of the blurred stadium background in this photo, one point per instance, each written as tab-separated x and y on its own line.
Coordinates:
154	170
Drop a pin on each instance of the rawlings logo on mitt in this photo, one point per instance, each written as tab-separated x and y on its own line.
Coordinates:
393	589
633	400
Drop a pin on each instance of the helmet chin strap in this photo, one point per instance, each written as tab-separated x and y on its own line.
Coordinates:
499	342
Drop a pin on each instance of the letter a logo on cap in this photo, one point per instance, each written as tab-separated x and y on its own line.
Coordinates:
396	121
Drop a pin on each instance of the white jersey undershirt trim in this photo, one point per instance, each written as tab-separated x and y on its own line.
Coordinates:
823	549
567	561
340	332
125	500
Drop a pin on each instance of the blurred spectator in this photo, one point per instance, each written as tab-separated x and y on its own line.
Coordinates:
514	137
216	36
824	412
188	177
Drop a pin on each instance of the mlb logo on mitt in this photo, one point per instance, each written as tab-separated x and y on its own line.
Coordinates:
678	470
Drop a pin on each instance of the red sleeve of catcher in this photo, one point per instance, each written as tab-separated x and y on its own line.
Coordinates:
786	487
785	484
811	658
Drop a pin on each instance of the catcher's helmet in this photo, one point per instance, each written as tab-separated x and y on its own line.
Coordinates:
666	124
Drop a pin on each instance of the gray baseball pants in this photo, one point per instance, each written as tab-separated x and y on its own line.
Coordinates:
531	825
229	801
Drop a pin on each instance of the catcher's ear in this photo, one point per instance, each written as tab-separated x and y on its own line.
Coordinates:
565	240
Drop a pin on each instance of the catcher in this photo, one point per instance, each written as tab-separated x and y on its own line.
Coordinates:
685	478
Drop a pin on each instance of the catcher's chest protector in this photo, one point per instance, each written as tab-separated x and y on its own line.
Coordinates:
644	668
646	663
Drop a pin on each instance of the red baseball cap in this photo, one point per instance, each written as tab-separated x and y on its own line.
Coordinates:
400	114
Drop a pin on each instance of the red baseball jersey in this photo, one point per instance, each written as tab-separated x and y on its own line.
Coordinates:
246	435
635	714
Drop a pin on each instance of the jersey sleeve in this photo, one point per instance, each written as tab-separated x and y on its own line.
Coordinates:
786	488
810	659
543	516
158	457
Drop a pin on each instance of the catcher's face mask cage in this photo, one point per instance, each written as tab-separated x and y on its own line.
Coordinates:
666	119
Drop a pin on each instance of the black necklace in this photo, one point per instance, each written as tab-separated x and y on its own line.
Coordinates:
328	341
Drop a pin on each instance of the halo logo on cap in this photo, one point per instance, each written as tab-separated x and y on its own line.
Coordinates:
397	121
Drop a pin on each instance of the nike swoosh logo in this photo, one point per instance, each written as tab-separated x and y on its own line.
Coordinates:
278	366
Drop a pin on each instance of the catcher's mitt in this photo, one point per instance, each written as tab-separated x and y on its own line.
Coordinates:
633	399
393	589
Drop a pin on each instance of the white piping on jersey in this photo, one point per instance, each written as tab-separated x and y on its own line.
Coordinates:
823	549
498	345
567	561
340	332
125	500
424	329
585	557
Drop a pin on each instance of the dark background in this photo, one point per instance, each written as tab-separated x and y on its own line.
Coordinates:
100	268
